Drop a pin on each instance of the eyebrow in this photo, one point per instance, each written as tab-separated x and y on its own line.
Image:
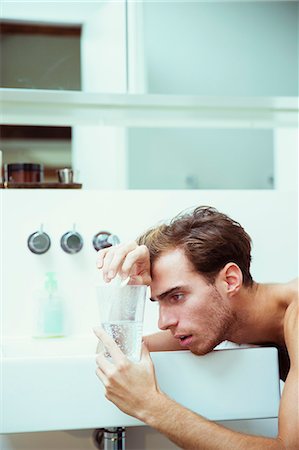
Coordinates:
166	293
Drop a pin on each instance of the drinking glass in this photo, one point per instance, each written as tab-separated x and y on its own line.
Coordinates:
121	315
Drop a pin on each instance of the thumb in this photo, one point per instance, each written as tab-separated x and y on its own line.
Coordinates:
145	354
140	279
148	363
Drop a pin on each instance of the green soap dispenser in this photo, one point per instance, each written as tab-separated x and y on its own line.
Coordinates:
50	322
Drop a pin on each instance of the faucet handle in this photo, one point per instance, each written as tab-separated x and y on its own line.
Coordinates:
113	239
104	239
71	242
39	242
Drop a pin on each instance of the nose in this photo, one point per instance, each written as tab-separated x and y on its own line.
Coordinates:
167	318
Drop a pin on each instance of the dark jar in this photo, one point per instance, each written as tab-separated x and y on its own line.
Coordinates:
23	173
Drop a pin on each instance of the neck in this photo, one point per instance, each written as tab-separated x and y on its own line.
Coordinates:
259	314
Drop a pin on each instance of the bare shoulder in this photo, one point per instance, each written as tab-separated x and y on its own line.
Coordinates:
294	286
291	316
291	321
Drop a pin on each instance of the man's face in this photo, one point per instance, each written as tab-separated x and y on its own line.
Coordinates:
194	311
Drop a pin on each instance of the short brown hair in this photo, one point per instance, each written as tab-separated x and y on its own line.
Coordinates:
210	240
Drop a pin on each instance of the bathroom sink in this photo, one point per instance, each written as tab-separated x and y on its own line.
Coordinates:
36	348
51	385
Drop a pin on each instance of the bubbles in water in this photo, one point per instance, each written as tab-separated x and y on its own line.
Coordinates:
127	335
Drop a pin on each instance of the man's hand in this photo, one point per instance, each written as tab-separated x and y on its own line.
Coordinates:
132	387
127	260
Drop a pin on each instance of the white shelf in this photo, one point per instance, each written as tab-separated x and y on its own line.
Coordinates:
69	108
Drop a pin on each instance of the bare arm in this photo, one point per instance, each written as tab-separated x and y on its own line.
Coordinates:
162	341
186	429
288	411
193	432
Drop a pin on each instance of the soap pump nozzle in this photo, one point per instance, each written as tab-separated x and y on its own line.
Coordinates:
50	283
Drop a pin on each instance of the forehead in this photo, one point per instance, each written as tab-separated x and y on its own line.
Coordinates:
171	259
172	268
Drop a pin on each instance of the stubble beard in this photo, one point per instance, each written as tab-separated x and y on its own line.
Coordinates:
217	326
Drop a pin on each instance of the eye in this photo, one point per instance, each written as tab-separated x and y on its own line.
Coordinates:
177	297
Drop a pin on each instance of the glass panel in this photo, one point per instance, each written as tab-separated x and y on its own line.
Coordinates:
200	159
214	48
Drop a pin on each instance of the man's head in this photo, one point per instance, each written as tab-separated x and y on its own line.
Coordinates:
199	262
208	238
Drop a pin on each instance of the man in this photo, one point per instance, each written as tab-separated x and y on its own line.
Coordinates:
198	269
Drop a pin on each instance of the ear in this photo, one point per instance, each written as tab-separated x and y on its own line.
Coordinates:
231	278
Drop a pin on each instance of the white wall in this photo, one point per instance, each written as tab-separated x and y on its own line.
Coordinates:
103	49
64	11
99	153
270	218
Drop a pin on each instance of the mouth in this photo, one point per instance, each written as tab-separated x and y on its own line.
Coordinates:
185	340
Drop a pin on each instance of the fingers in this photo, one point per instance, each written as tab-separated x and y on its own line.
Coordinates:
101	375
115	352
139	255
127	260
116	265
110	259
106	271
101	255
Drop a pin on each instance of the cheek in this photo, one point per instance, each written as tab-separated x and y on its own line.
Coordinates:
201	312
193	313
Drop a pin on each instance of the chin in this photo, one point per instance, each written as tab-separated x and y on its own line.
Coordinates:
203	348
200	351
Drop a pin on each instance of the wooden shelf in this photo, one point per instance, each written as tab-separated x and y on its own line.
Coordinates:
49	185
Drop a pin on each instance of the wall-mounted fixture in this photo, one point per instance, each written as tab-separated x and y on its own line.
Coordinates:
39	242
71	242
104	239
